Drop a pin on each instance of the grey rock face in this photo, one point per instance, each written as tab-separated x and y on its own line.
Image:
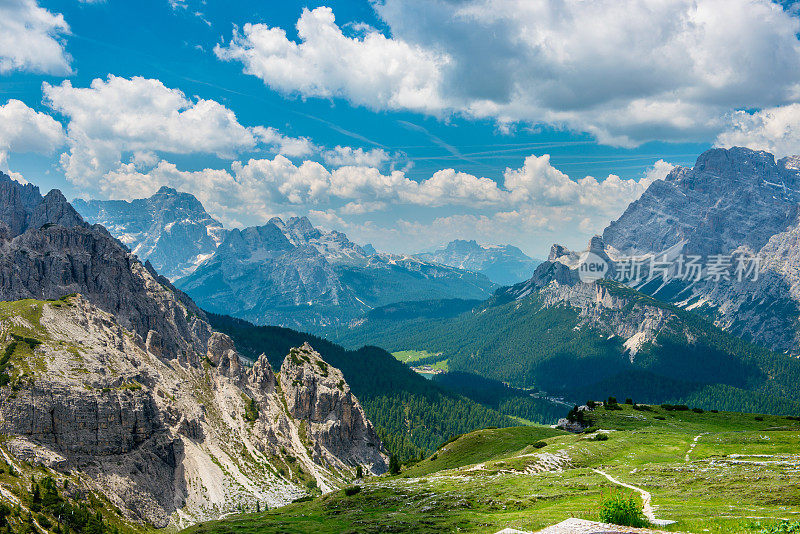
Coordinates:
317	393
17	203
732	200
171	230
106	423
502	264
144	431
58	254
51	262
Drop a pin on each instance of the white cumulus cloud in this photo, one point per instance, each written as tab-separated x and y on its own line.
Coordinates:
31	39
626	71
120	120
775	130
26	130
368	69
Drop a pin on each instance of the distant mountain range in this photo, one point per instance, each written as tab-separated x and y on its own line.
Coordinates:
502	264
285	273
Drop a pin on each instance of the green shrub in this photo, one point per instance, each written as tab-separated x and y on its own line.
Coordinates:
697	410
352	490
629	401
540	444
758	418
601	437
659	417
250	410
619	510
784	527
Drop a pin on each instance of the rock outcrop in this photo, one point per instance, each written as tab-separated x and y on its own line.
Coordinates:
317	393
166	441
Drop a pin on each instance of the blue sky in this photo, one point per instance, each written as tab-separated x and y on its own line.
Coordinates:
405	124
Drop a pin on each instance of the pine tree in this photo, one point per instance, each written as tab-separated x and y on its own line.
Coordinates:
394	465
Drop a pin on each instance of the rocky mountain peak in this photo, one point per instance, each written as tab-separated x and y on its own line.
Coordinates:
261	375
300	230
54	209
17	202
724	162
170	229
731	197
166	191
556	251
317	392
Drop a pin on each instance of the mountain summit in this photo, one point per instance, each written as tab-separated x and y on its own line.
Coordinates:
170	229
735	201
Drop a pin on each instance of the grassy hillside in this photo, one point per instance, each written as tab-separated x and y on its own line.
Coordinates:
714	472
526	344
413	415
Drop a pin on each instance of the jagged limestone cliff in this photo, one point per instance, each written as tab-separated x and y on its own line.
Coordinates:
171	441
113	377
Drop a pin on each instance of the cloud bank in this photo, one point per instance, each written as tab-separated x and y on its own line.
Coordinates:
626	71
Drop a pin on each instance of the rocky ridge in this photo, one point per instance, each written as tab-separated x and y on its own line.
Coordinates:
604	305
126	387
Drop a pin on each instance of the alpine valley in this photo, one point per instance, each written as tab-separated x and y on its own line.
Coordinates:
129	402
715	344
